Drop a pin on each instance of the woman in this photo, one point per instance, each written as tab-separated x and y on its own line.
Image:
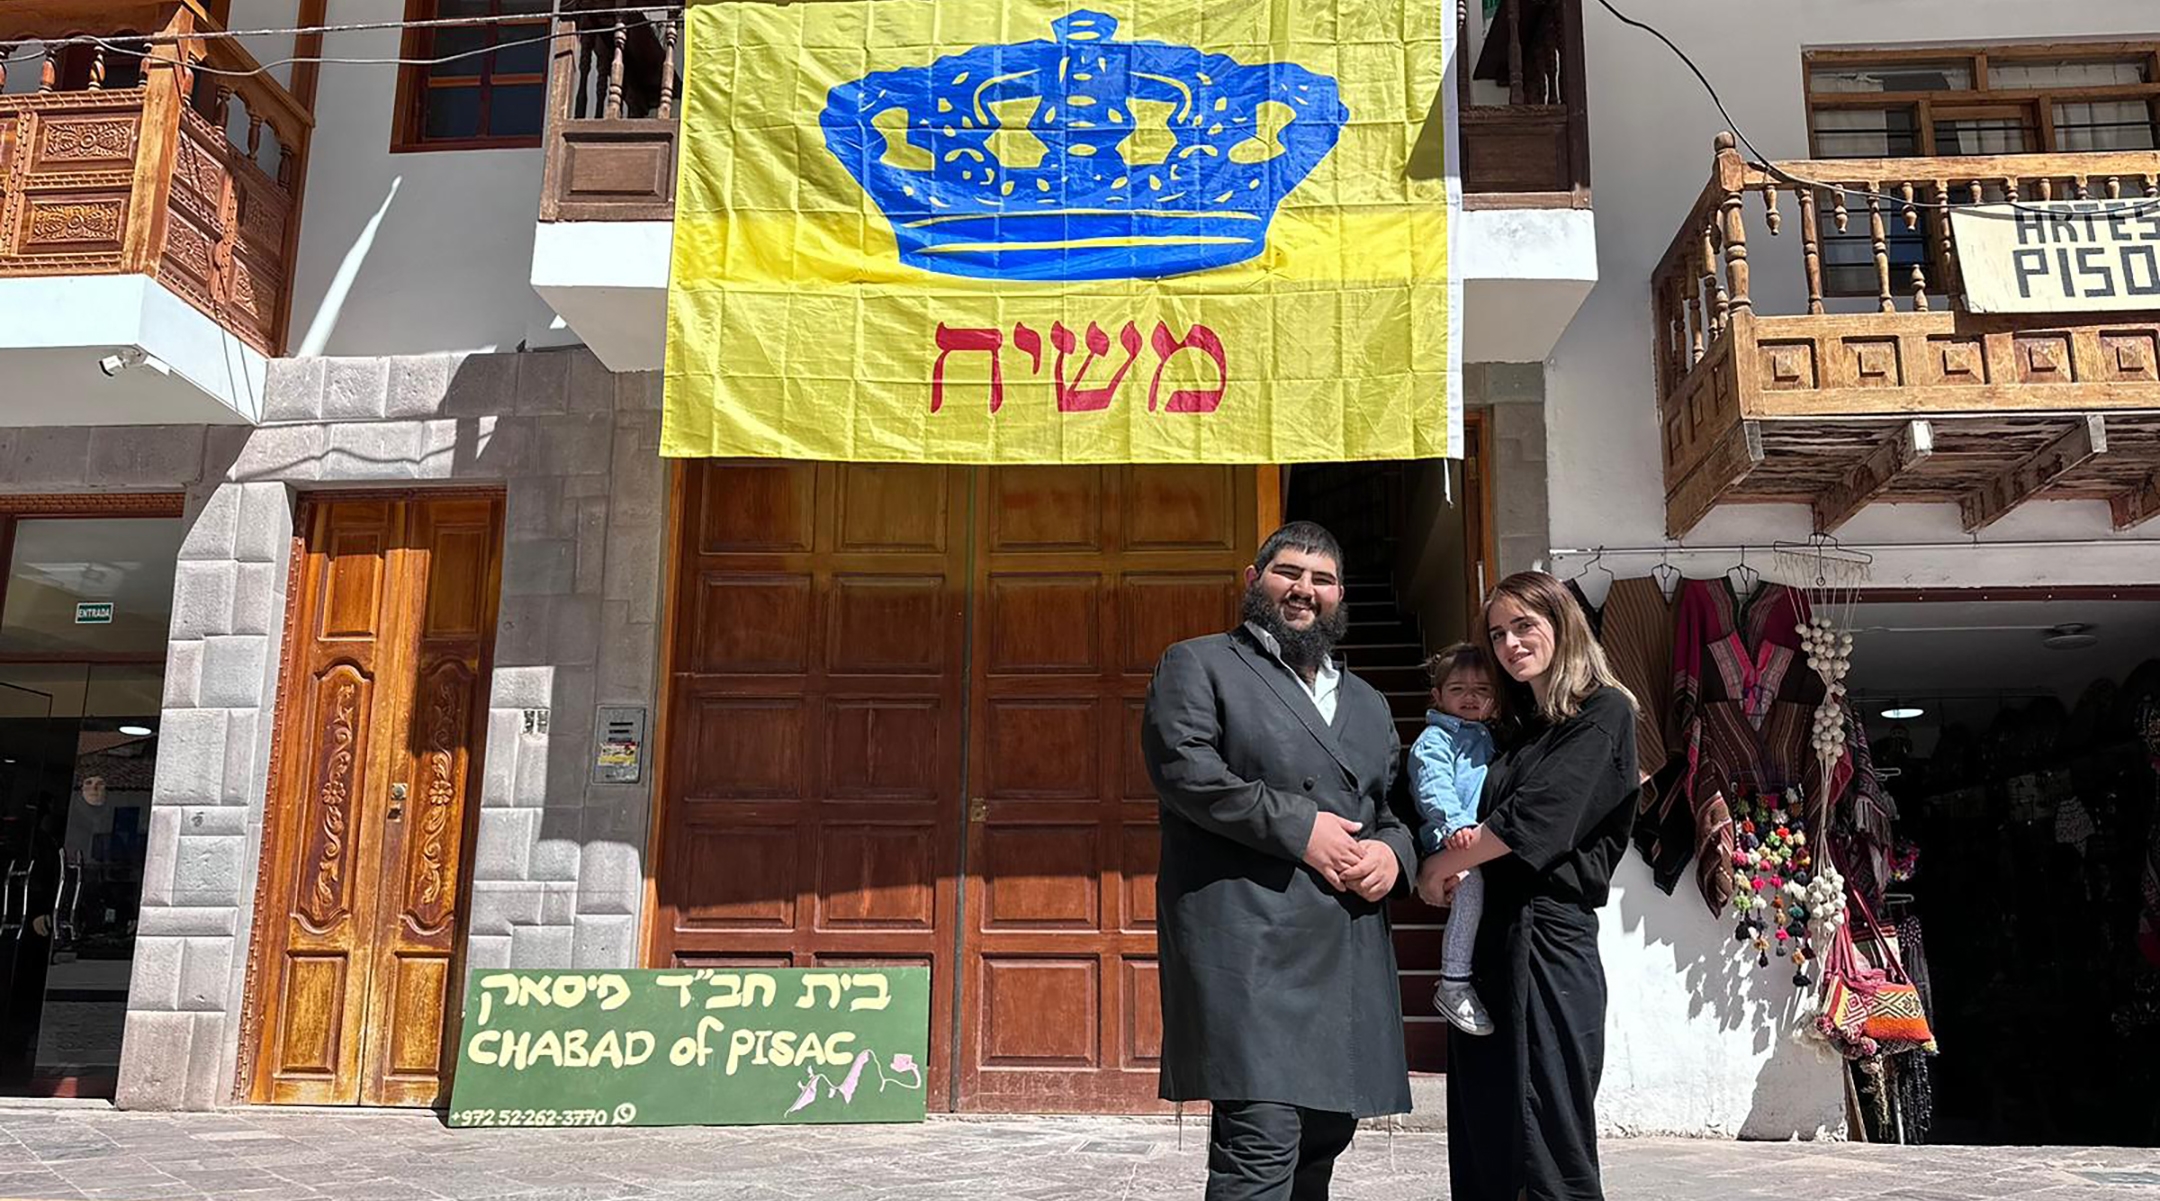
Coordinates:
1559	800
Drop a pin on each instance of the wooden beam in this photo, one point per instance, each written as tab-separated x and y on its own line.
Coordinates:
1729	461
2137	506
1896	455
1989	503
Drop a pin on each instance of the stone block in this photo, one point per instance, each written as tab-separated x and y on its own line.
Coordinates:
592	543
208	871
554	859
574	631
439	443
504	845
628	651
529	784
282	452
543	382
640	478
498	770
203	598
52	456
522	688
209	1080
211	519
246	755
592	385
540	567
496	448
233	671
558	904
188	921
258	601
154	981
576	445
206	974
265	530
418	384
487	952
191	758
355	389
496	908
1514	382
604	942
383	450
587	487
533	508
134	456
541	946
293	390
633	570
521	630
482	385
611	878
154	1072
202	820
183	673
161	857
639	390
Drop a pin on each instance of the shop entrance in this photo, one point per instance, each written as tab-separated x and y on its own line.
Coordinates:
383	714
903	730
2018	737
85	607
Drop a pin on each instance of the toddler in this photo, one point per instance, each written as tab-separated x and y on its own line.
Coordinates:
1447	773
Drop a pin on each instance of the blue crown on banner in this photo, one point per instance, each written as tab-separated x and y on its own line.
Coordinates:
1084	158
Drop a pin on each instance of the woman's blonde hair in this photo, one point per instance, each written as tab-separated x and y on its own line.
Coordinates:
1579	666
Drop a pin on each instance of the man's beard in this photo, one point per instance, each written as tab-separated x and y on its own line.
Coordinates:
1301	649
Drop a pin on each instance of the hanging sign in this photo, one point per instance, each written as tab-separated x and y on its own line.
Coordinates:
692	1047
2053	256
93	613
1026	231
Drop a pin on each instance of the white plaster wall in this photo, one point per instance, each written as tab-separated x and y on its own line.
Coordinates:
407	253
1692	1045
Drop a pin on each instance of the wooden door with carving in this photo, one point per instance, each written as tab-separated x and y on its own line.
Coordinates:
1082	577
383	714
812	806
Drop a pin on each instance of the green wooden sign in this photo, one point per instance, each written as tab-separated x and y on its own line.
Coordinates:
692	1047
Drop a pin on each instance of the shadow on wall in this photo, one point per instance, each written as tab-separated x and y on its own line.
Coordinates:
1732	1026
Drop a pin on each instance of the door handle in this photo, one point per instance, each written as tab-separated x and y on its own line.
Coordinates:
397	802
978	811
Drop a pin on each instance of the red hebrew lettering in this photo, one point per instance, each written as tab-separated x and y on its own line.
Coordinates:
950	340
1203	339
1076	399
1030	343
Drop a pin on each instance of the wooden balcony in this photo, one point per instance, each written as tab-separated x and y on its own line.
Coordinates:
1533	149
149	162
611	124
1775	388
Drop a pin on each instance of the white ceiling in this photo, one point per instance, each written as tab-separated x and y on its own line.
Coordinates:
1956	647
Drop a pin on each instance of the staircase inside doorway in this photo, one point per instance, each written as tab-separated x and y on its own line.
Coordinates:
1367	507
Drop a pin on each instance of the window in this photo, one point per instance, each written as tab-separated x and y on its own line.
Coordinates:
1983	101
492	92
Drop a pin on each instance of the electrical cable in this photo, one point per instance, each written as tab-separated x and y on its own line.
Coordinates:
2118	205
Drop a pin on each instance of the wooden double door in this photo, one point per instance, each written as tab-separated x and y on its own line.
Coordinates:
383	712
903	729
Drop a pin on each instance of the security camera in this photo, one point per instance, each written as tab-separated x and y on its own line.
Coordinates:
114	364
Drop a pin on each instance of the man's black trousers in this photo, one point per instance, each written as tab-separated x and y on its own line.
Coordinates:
1268	1151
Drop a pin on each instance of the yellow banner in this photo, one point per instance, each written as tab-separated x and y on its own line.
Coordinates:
1014	231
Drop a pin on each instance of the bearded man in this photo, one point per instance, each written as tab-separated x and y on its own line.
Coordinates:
1274	766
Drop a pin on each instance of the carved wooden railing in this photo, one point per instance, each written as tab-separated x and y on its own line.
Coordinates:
142	155
1535	148
613	88
1896	340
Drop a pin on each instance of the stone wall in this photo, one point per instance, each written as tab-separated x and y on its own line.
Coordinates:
558	860
1521	523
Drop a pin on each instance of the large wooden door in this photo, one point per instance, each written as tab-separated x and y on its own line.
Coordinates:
1083	576
383	714
814	723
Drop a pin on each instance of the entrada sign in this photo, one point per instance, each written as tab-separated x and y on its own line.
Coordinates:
2059	255
93	613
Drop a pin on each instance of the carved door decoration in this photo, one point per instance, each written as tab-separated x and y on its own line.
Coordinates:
356	976
878	668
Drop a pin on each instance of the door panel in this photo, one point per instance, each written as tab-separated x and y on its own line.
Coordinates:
395	613
1084	576
814	726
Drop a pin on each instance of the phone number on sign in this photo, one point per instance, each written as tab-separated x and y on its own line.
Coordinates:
621	1115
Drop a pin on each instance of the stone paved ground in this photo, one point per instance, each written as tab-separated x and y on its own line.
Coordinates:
49	1154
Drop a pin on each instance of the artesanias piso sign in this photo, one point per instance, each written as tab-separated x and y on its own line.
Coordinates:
2051	256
